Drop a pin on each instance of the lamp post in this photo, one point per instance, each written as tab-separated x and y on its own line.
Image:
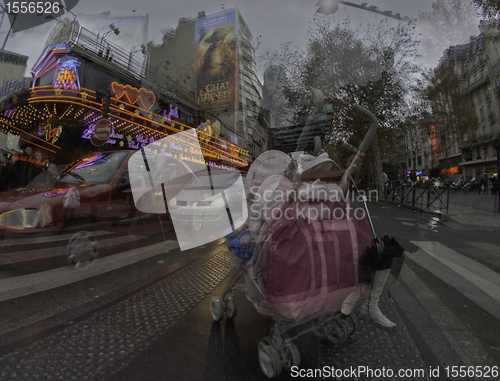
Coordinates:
100	41
112	29
485	149
142	49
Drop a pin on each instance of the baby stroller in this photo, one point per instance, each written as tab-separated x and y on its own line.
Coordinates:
302	251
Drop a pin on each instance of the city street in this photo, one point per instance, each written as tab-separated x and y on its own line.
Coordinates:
143	312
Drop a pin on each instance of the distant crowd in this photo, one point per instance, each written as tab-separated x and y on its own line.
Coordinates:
18	170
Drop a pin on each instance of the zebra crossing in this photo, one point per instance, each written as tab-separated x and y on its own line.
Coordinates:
476	281
12	287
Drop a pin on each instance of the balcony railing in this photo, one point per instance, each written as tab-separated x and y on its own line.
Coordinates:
131	63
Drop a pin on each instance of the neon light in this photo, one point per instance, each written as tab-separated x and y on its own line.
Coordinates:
448	171
52	134
77	100
90	160
432	135
66	75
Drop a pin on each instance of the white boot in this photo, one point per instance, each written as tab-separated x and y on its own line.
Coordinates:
370	306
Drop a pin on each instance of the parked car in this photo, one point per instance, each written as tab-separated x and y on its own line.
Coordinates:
102	182
207	199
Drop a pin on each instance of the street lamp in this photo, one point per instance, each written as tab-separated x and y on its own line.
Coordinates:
112	28
100	42
142	49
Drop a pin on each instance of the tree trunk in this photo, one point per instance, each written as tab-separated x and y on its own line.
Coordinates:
378	167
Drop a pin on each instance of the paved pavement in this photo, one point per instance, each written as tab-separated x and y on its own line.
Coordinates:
161	328
472	209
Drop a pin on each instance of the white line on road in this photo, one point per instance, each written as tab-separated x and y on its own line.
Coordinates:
32	255
16	287
50	238
462	341
488	247
481	276
450	277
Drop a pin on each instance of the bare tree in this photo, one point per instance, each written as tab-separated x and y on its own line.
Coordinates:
488	8
451	107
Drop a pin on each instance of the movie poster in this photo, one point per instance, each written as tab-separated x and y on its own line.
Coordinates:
216	58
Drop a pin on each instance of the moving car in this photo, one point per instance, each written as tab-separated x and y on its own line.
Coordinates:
102	182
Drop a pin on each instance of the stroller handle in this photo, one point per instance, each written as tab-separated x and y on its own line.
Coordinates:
364	144
373	127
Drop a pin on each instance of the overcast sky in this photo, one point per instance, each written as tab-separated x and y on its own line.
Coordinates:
276	21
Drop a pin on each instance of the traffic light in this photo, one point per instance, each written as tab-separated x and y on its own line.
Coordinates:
328	6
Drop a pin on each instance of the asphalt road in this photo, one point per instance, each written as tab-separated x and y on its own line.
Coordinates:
149	319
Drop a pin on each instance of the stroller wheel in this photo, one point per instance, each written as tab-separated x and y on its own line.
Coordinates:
230	309
352	323
339	332
321	329
290	356
269	361
217	310
82	250
265	341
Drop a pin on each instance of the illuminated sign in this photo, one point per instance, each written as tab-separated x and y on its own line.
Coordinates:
208	129
51	134
448	171
66	75
173	113
432	136
142	97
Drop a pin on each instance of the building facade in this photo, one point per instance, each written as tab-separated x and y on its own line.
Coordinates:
471	152
79	81
212	58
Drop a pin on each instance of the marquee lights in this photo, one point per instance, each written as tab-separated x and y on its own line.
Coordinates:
66	75
88	110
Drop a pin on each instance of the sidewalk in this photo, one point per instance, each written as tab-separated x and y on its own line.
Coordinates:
472	210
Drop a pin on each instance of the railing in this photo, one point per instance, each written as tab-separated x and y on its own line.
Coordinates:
422	198
133	64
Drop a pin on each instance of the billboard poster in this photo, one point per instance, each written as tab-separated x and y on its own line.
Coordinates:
216	59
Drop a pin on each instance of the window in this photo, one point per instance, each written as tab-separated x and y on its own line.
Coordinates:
487	92
419	160
490	111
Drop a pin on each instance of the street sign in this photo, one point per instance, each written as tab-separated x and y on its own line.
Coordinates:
103	129
96	141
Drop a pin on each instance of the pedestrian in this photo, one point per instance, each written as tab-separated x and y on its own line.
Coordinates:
485	176
495	187
413	177
36	167
25	163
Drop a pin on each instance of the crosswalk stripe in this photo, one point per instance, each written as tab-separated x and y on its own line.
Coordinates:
488	247
462	341
32	255
45	239
16	287
482	276
449	276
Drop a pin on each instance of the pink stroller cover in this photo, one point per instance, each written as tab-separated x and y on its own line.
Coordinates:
309	248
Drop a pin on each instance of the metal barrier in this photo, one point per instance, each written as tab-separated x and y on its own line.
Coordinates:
133	64
422	198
